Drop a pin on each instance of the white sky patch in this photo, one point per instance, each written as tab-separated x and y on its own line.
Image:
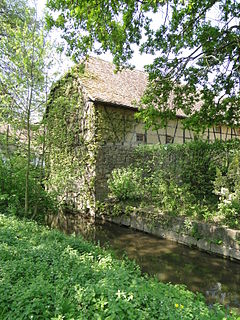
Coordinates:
40	6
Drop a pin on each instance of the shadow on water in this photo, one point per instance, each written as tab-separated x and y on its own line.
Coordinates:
217	278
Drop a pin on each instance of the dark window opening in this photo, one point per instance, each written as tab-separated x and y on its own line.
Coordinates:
140	137
169	139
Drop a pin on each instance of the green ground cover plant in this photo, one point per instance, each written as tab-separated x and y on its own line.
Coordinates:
48	275
196	179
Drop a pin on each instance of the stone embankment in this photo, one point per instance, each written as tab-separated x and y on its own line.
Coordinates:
207	237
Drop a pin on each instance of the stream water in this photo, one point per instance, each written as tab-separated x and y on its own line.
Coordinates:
217	278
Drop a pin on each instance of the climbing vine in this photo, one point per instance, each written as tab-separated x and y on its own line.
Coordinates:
113	124
71	144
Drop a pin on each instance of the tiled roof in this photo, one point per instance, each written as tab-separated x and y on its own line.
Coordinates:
103	84
123	88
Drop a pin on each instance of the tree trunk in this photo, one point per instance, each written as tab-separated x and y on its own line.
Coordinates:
7	141
28	158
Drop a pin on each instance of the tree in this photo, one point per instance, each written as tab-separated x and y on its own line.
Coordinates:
22	78
10	14
196	48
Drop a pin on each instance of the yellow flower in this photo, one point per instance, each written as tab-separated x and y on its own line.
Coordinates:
181	306
176	305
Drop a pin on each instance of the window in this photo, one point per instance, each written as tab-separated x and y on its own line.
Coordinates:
140	137
169	139
218	129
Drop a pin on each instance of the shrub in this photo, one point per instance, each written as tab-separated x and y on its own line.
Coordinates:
227	187
185	179
192	163
125	183
12	189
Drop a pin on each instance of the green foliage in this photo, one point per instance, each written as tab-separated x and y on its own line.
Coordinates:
195	179
23	84
22	54
124	183
227	187
94	21
11	14
196	57
48	275
71	144
12	190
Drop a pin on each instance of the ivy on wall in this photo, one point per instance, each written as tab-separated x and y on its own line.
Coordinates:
76	127
70	144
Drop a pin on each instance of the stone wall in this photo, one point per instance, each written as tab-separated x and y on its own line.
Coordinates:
207	237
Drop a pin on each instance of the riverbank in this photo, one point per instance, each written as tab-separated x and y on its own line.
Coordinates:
48	275
208	237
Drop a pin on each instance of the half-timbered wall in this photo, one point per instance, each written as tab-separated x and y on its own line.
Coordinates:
118	125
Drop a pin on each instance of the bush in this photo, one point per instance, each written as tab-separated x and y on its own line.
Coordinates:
48	275
125	183
12	189
193	164
227	187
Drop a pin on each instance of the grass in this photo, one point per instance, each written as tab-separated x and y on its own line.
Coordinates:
45	274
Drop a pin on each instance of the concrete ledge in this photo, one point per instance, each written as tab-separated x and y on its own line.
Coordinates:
207	237
204	245
187	240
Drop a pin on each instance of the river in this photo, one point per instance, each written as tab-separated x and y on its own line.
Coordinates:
218	279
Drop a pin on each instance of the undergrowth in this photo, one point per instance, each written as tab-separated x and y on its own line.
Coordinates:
48	275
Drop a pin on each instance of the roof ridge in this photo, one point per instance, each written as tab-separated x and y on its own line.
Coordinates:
112	64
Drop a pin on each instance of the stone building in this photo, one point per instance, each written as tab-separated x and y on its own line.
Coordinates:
92	130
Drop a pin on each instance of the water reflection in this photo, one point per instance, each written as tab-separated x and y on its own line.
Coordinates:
218	279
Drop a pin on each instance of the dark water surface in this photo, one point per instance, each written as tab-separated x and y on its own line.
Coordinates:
217	278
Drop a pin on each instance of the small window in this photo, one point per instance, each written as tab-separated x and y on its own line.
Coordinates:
169	139
218	129
140	137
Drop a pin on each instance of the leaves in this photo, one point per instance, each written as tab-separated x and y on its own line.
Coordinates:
23	80
48	275
12	189
22	66
182	180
